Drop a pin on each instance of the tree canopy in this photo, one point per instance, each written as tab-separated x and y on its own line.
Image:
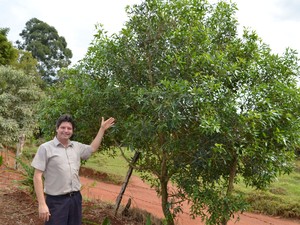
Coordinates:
203	105
45	45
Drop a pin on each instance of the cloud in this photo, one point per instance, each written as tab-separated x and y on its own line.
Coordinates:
288	10
273	21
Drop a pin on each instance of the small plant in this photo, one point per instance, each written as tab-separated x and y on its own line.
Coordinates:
1	160
148	220
28	172
106	221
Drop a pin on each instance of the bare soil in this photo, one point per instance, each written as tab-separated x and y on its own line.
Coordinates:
17	206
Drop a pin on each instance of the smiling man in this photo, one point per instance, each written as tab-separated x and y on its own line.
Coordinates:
58	161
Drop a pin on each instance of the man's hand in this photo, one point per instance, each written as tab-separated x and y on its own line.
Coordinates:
44	213
105	124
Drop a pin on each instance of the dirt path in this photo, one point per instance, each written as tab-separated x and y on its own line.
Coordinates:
144	197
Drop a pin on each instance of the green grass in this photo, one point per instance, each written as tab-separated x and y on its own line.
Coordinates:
115	167
108	164
281	198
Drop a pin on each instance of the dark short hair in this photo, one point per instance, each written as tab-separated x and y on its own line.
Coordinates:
65	118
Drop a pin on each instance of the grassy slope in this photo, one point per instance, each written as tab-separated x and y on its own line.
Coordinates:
281	198
115	166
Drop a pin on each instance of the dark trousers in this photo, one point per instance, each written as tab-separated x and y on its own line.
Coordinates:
65	209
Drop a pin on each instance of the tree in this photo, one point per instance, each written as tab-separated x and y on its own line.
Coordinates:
201	104
26	62
8	54
45	44
19	95
16	58
28	65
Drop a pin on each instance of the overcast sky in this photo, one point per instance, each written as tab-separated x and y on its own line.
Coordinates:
277	22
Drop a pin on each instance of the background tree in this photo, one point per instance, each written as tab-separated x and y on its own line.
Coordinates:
45	44
8	54
19	95
202	105
17	58
26	62
28	65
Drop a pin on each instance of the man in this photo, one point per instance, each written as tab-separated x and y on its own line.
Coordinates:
58	161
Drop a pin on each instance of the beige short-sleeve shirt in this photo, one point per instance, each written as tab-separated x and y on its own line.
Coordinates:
60	165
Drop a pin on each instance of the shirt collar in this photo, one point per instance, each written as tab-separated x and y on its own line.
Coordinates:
57	142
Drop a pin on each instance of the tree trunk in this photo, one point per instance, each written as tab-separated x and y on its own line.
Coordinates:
164	192
232	175
129	173
20	147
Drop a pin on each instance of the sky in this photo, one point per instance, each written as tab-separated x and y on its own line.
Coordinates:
277	22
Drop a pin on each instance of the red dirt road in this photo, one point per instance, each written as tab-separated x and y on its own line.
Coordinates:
145	198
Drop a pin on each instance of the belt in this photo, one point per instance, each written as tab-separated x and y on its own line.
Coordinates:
70	194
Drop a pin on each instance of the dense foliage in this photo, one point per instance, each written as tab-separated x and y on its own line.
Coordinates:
202	104
19	94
